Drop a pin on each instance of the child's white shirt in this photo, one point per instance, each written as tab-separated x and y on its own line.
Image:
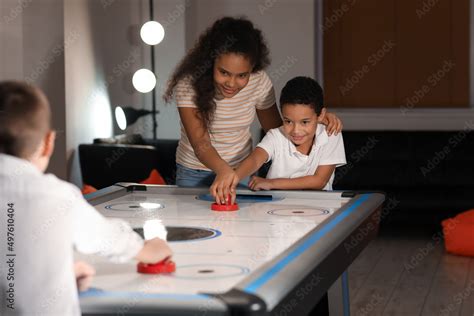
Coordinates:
50	216
288	162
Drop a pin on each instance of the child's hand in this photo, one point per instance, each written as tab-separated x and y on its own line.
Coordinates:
258	183
84	273
333	123
224	184
154	250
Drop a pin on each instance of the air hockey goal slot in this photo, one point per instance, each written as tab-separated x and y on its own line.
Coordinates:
243	198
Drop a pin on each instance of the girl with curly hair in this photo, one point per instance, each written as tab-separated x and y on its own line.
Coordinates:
219	86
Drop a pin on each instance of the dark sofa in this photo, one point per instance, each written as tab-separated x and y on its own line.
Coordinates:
104	164
427	176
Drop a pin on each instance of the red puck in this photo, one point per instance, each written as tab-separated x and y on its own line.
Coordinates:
224	207
165	266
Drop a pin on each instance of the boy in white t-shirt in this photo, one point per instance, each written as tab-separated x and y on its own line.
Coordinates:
303	156
43	217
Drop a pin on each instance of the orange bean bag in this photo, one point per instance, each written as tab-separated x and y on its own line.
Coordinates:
154	178
459	234
86	189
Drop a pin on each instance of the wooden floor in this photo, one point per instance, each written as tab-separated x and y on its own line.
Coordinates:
409	273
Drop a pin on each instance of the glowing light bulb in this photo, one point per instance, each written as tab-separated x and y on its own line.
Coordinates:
120	118
152	32
144	80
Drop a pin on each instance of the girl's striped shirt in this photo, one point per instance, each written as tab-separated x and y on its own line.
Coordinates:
230	128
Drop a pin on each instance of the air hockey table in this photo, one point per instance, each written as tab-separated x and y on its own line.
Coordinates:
279	254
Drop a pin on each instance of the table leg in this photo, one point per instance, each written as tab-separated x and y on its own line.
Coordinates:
338	296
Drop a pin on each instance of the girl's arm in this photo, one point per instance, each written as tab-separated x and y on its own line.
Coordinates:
200	140
332	122
315	182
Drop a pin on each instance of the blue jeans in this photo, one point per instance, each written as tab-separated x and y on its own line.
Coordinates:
187	177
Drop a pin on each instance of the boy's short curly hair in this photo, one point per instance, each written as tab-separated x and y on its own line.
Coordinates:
25	118
303	90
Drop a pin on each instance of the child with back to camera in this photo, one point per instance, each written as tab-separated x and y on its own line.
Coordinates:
46	217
